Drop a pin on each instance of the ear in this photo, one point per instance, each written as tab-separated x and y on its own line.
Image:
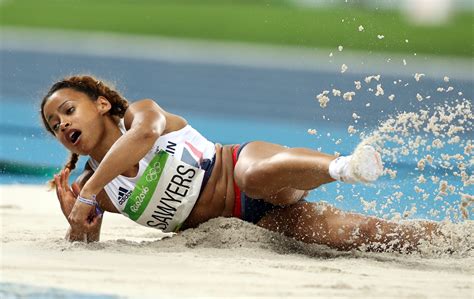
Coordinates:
103	105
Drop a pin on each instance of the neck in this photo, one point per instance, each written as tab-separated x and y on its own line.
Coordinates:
110	135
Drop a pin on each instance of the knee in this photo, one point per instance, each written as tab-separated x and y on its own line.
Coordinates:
320	224
334	229
309	223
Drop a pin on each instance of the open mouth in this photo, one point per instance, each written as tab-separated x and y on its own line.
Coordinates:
74	136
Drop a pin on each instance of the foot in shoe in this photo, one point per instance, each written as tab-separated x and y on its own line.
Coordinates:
366	164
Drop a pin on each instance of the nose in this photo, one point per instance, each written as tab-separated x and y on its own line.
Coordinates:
64	125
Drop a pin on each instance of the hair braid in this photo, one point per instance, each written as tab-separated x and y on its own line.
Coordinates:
71	164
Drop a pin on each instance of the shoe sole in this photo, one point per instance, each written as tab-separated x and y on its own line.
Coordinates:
367	164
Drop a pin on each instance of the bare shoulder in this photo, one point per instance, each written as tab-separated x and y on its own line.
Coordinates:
149	109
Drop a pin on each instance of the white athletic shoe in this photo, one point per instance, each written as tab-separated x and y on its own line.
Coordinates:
363	166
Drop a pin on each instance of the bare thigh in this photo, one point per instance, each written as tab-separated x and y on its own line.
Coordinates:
255	153
279	174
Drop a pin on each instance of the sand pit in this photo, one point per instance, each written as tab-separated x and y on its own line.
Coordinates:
222	258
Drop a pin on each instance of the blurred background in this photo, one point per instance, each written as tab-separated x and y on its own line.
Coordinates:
440	27
239	70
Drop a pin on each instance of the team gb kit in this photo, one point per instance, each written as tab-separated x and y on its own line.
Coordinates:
168	182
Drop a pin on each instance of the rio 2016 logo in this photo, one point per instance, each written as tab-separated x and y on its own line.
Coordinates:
153	171
139	199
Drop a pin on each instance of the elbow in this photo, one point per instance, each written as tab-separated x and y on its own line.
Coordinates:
151	130
150	134
149	122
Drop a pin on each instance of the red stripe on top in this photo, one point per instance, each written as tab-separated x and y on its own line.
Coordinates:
237	204
195	151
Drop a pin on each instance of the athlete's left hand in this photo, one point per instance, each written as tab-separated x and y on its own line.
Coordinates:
83	217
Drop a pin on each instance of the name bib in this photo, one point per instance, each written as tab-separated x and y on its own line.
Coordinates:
165	194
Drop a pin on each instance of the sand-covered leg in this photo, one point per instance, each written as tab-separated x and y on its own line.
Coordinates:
323	224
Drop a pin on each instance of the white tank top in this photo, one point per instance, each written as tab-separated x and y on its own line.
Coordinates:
168	182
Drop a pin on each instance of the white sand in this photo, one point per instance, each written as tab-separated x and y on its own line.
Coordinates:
223	258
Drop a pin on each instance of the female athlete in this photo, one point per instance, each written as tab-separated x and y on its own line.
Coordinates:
153	167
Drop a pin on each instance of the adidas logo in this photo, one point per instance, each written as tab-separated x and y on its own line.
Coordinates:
123	195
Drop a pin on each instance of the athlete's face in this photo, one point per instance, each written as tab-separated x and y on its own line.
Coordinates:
76	120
